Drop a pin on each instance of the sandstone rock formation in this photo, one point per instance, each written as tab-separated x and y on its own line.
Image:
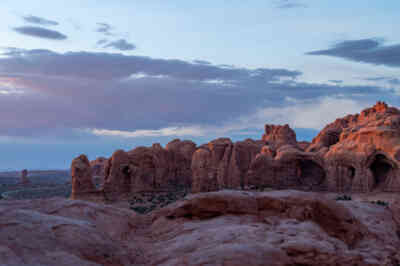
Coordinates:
24	177
289	168
149	168
98	166
356	153
363	158
81	178
278	136
222	164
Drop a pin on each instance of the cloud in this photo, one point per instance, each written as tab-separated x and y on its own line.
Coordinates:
202	62
105	29
40	32
40	21
389	80
121	45
133	96
285	4
102	42
163	132
105	66
370	51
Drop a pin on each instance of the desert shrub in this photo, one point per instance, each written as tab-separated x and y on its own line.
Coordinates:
380	202
344	197
140	209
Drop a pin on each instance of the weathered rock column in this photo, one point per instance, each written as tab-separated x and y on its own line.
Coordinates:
81	174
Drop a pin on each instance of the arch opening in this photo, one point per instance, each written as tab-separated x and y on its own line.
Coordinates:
380	168
311	173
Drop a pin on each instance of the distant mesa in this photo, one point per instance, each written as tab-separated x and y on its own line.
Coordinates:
356	153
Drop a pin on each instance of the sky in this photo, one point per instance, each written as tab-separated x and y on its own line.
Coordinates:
92	77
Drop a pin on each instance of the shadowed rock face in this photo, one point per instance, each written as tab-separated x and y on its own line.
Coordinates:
98	166
149	168
81	178
222	164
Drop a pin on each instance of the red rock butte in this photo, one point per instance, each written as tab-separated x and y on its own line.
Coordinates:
356	153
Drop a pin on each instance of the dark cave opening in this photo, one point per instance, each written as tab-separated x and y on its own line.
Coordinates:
127	178
380	169
311	174
352	172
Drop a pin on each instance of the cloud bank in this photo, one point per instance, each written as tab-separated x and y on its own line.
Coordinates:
111	94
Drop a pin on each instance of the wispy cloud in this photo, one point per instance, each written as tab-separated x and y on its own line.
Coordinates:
285	4
40	21
370	51
121	45
105	29
40	32
163	132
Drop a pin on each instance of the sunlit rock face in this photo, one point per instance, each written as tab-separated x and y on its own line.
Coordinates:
365	156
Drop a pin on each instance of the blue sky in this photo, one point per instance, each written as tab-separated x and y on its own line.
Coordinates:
95	76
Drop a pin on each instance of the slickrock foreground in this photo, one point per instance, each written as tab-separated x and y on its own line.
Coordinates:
217	228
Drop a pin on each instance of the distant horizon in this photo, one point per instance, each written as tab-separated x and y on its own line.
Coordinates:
97	76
